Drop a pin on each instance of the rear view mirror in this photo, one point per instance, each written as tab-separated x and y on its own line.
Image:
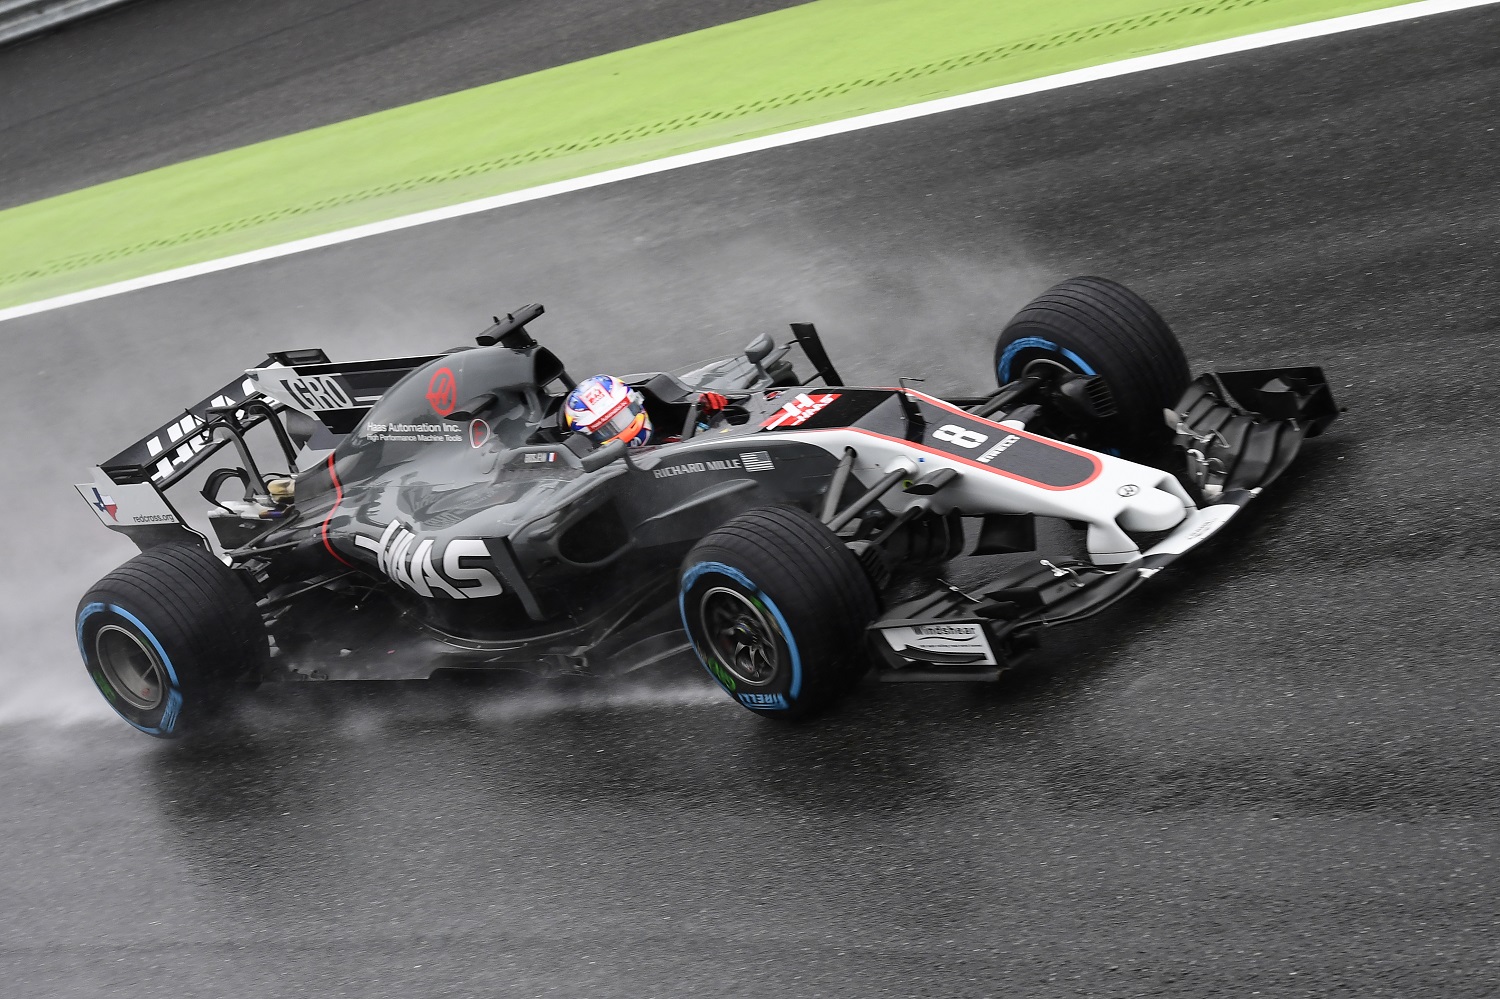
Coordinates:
759	348
605	455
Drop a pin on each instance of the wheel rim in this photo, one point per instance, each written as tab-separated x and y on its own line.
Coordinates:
1019	356
132	669
741	636
1039	366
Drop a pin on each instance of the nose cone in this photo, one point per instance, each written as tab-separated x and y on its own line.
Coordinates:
1151	509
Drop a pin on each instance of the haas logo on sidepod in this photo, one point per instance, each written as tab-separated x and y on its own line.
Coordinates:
412	564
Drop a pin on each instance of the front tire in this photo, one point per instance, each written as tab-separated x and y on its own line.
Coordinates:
1095	326
167	636
776	607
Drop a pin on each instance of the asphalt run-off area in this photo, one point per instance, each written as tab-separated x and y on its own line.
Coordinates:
1272	773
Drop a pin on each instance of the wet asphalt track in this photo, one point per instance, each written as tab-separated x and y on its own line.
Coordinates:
1273	774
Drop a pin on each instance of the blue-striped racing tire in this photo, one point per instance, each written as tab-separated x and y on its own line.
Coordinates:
168	636
776	607
1095	326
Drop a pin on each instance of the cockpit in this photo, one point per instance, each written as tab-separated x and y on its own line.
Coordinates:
507	393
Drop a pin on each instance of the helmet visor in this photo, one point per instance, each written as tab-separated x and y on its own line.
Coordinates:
624	421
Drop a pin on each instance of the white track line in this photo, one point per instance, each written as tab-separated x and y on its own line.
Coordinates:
1244	43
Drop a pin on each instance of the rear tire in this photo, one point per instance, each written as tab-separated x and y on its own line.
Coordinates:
168	635
776	607
1094	326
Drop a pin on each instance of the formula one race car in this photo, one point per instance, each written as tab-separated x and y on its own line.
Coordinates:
437	512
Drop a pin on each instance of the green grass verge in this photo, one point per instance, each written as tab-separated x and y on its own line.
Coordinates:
816	63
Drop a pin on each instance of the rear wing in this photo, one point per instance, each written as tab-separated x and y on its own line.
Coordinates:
129	491
336	395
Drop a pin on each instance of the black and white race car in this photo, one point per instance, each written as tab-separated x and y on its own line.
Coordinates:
430	513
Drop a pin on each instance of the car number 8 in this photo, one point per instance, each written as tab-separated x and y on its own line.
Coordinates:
959	436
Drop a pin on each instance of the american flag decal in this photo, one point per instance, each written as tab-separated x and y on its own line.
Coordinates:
756	461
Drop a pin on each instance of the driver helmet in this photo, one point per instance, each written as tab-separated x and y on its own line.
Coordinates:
603	408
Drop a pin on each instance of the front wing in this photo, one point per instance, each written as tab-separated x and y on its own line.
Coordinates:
1232	453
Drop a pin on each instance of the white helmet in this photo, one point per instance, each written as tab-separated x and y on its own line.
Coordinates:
603	408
